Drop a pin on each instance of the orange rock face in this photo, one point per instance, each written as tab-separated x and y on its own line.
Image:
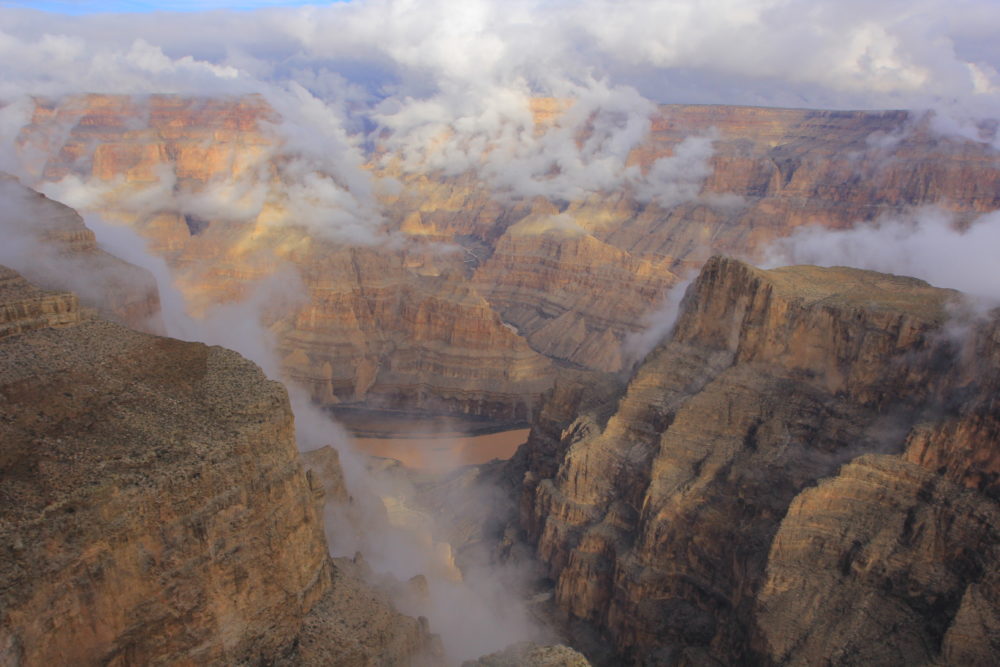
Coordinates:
478	292
101	425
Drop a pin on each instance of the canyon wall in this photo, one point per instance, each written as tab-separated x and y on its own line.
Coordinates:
456	297
50	244
153	509
804	470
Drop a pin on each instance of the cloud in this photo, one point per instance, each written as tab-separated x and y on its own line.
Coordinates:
75	7
450	87
657	324
926	244
882	52
678	178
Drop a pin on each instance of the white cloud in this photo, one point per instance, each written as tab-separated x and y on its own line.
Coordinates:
677	178
926	244
449	86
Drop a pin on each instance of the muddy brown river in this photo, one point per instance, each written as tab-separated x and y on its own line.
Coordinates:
438	452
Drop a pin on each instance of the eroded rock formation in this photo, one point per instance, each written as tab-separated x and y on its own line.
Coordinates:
153	508
781	481
473	293
49	244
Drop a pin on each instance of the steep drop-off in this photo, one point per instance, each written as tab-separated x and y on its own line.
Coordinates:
460	296
153	509
50	244
688	517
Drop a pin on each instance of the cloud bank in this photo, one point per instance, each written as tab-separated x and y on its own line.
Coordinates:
454	86
926	244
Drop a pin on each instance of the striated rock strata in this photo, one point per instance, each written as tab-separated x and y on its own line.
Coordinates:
24	307
153	509
458	298
687	515
49	244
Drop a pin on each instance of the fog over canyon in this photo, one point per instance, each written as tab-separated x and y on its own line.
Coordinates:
526	333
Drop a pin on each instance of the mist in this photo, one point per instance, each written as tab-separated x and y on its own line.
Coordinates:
477	609
451	88
657	325
927	243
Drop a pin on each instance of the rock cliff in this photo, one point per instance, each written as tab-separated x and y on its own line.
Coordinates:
50	244
474	293
153	509
782	479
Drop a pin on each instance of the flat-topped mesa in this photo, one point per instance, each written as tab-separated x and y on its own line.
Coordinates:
836	324
153	508
657	517
50	245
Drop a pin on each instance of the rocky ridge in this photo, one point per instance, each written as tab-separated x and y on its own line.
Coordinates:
153	508
779	482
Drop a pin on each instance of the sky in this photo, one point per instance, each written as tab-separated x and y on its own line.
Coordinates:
826	53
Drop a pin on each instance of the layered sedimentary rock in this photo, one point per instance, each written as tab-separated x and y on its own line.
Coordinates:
24	307
400	332
678	514
913	581
392	327
464	292
153	508
50	244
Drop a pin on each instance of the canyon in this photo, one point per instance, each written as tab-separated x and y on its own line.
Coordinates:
803	468
155	507
448	294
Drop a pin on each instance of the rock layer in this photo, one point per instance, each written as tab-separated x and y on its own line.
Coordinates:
472	293
24	307
665	519
918	566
